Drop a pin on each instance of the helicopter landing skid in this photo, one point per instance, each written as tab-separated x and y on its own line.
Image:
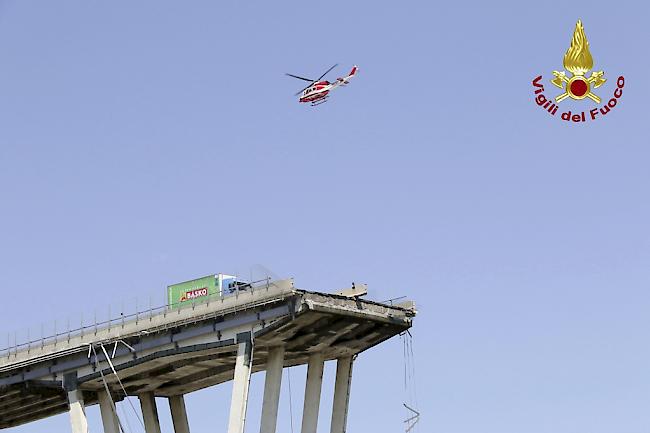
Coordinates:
319	102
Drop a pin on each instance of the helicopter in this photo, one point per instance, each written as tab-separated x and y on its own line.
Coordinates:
319	90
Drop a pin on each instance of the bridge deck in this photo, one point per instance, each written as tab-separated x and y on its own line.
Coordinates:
180	351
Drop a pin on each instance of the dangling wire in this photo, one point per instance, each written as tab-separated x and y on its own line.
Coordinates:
290	399
126	395
126	418
108	392
412	421
410	382
114	407
413	377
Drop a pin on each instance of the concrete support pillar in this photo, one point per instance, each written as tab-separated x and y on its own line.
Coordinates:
272	386
109	416
240	383
179	414
312	393
77	411
341	395
149	412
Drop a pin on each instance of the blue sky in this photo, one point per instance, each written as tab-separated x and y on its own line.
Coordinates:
145	143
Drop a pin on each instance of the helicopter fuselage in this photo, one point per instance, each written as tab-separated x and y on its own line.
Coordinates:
318	91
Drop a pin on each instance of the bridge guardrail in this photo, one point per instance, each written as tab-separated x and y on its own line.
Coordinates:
26	344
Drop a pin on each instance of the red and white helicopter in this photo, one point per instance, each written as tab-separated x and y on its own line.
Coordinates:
318	91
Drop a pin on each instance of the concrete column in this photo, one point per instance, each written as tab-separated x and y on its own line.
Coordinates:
240	383
179	414
149	412
109	417
341	395
77	412
272	386
312	393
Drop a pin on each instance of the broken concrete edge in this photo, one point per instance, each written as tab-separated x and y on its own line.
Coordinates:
407	307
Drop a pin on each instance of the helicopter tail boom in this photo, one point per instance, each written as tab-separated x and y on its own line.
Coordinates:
346	80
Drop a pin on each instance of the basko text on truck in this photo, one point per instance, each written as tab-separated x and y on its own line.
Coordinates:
200	288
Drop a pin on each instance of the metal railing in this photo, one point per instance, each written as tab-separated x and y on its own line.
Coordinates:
27	344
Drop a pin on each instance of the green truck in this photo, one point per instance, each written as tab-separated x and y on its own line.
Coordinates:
201	289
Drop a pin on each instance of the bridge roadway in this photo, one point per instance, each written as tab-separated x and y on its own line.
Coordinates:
178	351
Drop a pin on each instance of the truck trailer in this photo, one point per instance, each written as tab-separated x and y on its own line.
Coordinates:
200	289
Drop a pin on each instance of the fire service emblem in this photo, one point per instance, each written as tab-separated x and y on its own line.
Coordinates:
577	86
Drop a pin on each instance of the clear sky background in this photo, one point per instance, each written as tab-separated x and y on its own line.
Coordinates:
145	143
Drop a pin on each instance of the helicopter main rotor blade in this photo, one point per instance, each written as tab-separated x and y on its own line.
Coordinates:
311	81
319	78
305	88
301	78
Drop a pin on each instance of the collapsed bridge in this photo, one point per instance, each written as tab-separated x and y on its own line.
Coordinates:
169	352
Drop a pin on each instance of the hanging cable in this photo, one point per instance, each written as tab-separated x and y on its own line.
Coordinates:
412	421
415	388
125	415
126	418
108	392
410	382
405	357
290	399
122	386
